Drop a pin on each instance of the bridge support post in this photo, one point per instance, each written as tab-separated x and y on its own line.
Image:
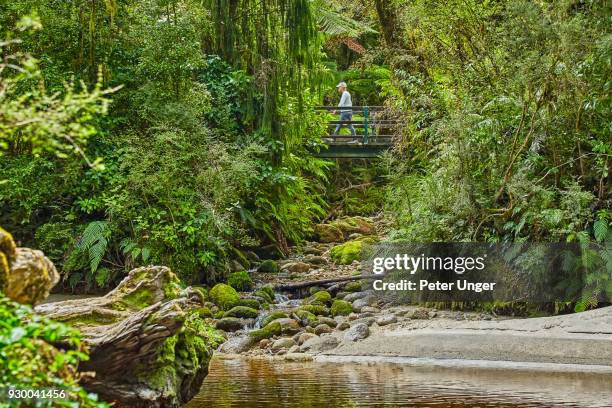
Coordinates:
366	117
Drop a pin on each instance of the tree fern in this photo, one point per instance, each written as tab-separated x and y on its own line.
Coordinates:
94	241
333	23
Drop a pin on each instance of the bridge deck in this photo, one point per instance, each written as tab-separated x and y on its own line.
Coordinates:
374	134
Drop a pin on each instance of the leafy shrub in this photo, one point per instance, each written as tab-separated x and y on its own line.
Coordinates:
28	358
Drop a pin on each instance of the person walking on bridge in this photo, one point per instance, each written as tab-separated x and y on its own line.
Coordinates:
346	109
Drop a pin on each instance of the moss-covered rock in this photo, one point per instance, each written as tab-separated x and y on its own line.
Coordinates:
354	286
341	308
351	225
241	281
204	291
265	292
229	324
318	310
306	318
242	312
345	254
268	266
273	316
288	326
249	302
321	298
270	330
224	296
328	233
204	312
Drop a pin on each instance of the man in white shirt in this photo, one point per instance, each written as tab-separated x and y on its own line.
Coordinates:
346	111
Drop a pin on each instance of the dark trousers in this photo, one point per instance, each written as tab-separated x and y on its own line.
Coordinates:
345	117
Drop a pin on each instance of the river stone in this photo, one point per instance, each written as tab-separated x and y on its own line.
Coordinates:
229	324
370	309
283	343
353	316
288	325
311	250
328	233
363	302
343	326
263	343
296	267
328	321
319	344
297	357
293	349
386	319
242	311
322	328
237	345
315	260
304	337
420	314
357	332
365	320
351	297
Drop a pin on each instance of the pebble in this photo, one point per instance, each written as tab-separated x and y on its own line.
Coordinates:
386	319
322	328
357	332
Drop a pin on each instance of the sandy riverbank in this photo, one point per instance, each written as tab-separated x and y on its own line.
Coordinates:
580	339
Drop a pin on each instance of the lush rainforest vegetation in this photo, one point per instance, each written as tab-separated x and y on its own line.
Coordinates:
181	132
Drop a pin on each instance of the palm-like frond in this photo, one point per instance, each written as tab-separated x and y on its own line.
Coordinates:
333	23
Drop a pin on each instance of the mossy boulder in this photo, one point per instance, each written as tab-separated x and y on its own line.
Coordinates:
318	310
242	312
266	293
355	286
224	296
229	324
269	266
321	298
351	225
204	312
306	318
249	302
288	325
328	233
270	330
345	254
341	308
241	281
273	316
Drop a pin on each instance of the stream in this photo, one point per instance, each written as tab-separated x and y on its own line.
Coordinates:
246	383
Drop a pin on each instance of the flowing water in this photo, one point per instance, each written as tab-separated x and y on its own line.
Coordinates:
247	383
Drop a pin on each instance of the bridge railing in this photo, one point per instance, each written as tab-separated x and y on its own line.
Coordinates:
371	124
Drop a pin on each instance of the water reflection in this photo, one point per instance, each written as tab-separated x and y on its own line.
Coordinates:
262	383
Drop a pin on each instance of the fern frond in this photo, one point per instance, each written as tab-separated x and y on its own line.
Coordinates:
333	23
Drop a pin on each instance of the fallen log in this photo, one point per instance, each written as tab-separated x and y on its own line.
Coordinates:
291	287
148	346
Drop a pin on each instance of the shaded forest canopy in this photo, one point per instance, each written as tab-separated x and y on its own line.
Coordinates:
180	132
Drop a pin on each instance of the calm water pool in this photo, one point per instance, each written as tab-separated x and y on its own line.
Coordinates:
262	383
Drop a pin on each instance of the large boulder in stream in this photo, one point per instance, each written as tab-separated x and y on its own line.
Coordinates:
148	345
26	275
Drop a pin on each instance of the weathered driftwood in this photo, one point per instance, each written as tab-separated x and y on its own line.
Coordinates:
148	347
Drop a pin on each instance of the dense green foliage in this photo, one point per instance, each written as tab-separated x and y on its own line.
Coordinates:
206	145
29	360
509	106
